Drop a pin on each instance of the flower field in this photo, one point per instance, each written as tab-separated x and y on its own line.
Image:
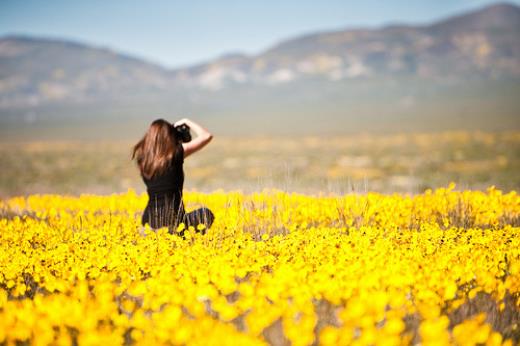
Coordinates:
441	267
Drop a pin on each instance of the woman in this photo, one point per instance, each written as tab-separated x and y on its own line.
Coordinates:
160	156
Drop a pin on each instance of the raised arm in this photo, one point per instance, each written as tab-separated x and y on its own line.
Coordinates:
203	137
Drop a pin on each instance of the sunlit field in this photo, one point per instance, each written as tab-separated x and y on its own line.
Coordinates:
359	163
439	267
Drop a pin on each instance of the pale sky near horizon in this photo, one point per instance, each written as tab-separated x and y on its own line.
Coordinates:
181	33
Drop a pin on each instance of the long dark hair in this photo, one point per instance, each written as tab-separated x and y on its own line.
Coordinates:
156	149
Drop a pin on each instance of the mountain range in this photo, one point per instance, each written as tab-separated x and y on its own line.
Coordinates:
464	69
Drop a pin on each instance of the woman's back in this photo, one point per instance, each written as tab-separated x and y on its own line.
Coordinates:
165	194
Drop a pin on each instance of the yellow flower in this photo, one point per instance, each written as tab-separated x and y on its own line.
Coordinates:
181	227
353	268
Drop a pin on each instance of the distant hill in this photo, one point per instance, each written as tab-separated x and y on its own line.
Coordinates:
463	68
485	43
35	71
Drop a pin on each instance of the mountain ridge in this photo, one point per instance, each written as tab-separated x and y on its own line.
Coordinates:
474	55
336	54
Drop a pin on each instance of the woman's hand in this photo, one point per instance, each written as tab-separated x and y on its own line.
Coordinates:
182	121
203	136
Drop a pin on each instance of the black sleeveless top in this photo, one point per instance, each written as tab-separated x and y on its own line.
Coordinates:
165	206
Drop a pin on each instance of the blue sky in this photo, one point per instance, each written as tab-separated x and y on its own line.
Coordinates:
179	33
